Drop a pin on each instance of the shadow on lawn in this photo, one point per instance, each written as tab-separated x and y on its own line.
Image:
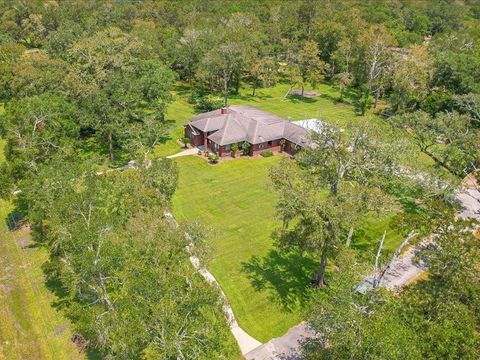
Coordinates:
250	97
286	275
295	99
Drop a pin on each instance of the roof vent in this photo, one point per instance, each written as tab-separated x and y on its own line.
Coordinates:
224	110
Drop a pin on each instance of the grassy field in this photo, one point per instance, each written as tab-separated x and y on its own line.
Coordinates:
265	287
30	326
234	200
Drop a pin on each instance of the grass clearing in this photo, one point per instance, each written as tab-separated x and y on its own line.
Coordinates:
265	288
233	198
30	326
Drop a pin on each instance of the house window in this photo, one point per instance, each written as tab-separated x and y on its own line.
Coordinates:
227	148
270	143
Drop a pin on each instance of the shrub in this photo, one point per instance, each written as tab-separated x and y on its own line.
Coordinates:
234	149
266	153
213	158
186	141
282	145
246	147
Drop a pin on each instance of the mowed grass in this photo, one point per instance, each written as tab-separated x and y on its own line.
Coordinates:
266	288
233	198
30	327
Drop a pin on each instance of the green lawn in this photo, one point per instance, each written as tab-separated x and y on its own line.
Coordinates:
233	199
265	288
30	326
177	115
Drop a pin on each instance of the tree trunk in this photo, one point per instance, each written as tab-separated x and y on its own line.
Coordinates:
225	89
254	88
110	146
377	95
319	279
237	83
440	162
303	89
349	237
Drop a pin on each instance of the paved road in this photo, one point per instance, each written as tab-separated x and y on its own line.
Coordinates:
284	347
404	269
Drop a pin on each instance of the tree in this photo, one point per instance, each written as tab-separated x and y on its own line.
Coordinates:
457	62
347	325
233	49
468	104
234	149
412	76
246	148
344	79
262	72
310	67
343	57
192	46
36	128
374	60
333	182
111	77
447	138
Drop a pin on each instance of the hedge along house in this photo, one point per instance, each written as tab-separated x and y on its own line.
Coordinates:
218	130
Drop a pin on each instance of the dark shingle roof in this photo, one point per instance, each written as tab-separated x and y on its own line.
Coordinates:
247	123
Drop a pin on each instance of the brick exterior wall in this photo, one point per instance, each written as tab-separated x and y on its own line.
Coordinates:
196	139
222	151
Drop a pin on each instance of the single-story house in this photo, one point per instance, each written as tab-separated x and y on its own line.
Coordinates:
218	130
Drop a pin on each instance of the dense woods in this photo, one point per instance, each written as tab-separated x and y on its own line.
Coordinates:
85	86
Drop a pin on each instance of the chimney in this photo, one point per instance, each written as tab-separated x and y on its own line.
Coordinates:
224	110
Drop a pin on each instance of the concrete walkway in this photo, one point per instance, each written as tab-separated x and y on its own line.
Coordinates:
186	152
